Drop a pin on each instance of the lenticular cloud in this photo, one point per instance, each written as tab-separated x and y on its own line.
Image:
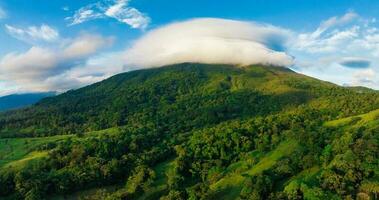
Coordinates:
210	40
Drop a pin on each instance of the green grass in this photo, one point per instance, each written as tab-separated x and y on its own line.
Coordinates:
88	193
229	187
307	182
368	119
18	164
231	184
113	130
20	149
158	187
307	176
270	160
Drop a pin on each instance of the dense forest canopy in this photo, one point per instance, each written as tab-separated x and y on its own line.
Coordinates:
195	131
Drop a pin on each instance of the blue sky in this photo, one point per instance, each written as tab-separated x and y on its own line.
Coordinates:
64	44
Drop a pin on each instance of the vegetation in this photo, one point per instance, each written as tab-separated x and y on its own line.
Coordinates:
195	131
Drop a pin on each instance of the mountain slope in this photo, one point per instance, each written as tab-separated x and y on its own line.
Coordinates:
167	92
195	131
15	101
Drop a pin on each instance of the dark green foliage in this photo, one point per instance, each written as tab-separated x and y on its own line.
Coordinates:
194	131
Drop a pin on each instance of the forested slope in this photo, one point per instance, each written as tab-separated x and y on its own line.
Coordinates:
196	131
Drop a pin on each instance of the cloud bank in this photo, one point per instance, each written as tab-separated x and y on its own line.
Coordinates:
210	40
35	69
364	77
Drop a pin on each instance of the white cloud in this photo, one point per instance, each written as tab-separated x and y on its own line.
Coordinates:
3	14
123	13
33	70
327	36
87	13
335	21
85	45
338	49
366	77
346	52
74	63
7	89
93	70
210	40
116	9
29	65
33	33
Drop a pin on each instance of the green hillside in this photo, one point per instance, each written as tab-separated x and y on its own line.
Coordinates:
195	131
16	149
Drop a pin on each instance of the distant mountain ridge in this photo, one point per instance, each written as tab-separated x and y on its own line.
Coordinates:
15	101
